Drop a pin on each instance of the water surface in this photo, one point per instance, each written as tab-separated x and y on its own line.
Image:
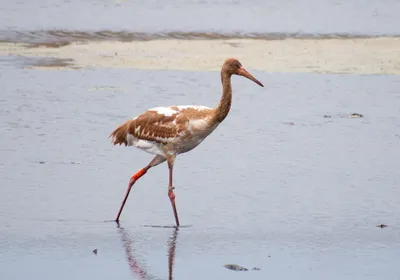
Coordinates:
41	20
288	183
277	186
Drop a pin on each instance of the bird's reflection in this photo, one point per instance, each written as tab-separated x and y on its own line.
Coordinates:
137	266
171	252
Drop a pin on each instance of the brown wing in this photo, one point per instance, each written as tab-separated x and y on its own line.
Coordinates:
156	127
161	125
151	126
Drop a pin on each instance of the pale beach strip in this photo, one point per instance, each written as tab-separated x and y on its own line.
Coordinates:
380	55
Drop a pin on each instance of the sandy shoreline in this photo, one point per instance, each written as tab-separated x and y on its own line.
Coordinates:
352	55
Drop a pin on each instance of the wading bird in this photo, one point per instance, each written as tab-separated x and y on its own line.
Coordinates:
170	131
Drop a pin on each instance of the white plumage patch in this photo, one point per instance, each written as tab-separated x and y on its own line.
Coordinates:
198	124
169	111
196	107
166	111
147	146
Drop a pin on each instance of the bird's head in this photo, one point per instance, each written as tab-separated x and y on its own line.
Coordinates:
232	66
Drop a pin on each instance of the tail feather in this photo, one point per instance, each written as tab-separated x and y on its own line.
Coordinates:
118	136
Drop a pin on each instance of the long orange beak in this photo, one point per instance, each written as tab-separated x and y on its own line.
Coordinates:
243	72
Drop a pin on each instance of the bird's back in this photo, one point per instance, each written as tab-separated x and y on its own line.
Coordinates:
175	128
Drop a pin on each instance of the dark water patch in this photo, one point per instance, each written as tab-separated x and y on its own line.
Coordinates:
19	61
356	115
382	226
48	44
237	267
59	38
59	162
341	115
48	62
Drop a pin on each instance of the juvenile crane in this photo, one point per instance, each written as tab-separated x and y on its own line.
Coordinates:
169	131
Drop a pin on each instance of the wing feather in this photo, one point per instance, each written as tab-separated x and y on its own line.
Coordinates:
164	125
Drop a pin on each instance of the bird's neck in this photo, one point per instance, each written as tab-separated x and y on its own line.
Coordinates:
224	105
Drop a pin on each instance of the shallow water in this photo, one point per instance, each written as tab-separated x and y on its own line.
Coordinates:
33	20
288	183
277	186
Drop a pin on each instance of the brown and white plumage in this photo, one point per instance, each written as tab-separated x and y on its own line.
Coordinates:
169	131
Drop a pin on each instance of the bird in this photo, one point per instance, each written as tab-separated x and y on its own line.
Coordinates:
169	131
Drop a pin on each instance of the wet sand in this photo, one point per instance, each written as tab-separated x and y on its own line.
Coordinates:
379	55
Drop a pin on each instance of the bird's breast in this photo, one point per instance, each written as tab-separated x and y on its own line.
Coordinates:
197	131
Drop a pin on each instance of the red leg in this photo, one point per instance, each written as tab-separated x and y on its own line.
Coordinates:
157	160
171	194
132	181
